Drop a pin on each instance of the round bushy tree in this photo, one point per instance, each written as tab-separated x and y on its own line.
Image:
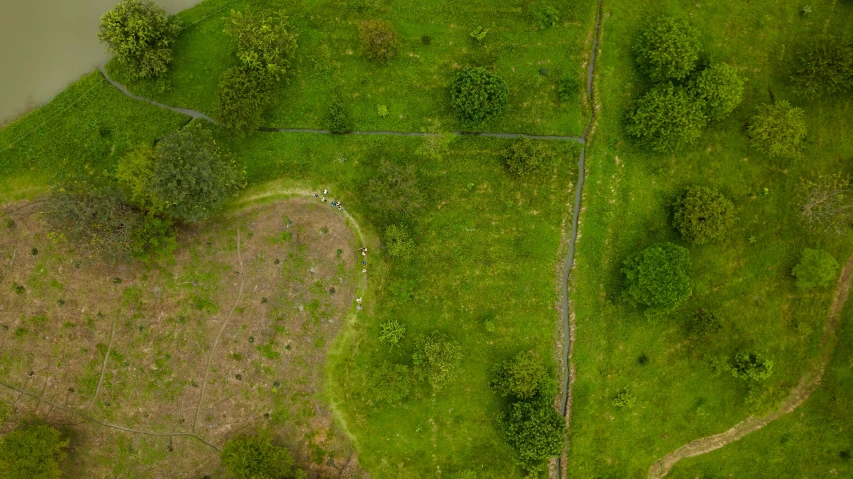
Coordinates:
817	269
192	176
668	49
525	157
378	40
518	377
703	214
140	34
478	95
535	431
778	129
666	118
243	96
720	88
751	366
658	277
32	452
824	66
391	384
255	457
436	358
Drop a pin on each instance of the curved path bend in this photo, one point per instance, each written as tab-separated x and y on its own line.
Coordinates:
807	385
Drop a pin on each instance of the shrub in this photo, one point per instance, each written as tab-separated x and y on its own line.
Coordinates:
817	269
624	399
525	157
378	40
478	95
666	118
826	203
778	129
568	88
255	457
391	384
548	17
399	243
436	359
337	118
703	323
265	44
32	452
668	49
720	88
192	176
391	332
518	377
134	172
140	34
751	366
394	192
658	277
479	33
703	214
243	97
535	431
823	67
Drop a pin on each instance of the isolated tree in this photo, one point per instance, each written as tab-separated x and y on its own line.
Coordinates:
256	457
751	366
704	322
32	452
390	384
666	118
826	203
243	97
535	430
668	49
391	332
378	40
192	176
824	66
519	376
399	243
436	359
720	87
526	157
703	214
778	129
658	277
817	269
140	34
478	95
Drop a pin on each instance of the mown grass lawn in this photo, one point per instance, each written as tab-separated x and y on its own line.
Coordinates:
414	86
744	279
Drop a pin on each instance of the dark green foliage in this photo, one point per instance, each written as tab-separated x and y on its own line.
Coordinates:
518	377
192	176
703	214
140	34
255	457
478	95
338	118
666	118
658	277
526	157
32	452
399	243
817	269
243	97
824	66
778	129
751	366
436	358
703	323
535	431
391	384
624	399
720	87
394	192
391	332
548	17
568	88
668	49
378	40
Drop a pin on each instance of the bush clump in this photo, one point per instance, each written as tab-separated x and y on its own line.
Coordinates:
526	157
824	66
703	214
751	366
378	40
704	323
32	452
817	269
720	88
519	376
436	359
243	97
338	118
391	384
535	430
391	332
478	95
255	457
624	399
668	49
399	243
778	129
658	277
140	34
666	118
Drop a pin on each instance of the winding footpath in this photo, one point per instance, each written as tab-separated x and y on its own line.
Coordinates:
807	385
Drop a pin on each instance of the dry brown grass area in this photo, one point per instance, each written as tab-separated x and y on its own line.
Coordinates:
300	268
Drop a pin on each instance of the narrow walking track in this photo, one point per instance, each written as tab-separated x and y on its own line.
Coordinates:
807	385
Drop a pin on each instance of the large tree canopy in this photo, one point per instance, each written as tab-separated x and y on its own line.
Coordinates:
666	118
658	277
478	95
703	214
140	33
668	49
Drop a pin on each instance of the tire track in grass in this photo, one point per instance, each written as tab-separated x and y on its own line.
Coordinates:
808	384
103	365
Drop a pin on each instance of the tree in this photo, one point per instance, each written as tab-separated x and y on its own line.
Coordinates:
337	118
535	431
817	269
703	214
478	95
378	40
519	376
751	366
192	176
624	399
134	172
826	203
140	34
390	384
243	97
778	129
824	66
255	457
658	277
720	88
32	452
668	49
703	323
394	193
666	118
526	157
399	243
436	358
391	332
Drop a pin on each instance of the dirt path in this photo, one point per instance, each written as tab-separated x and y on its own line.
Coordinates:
807	385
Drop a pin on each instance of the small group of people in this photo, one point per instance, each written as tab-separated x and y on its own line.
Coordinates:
333	203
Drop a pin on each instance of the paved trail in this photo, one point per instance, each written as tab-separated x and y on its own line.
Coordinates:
807	385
